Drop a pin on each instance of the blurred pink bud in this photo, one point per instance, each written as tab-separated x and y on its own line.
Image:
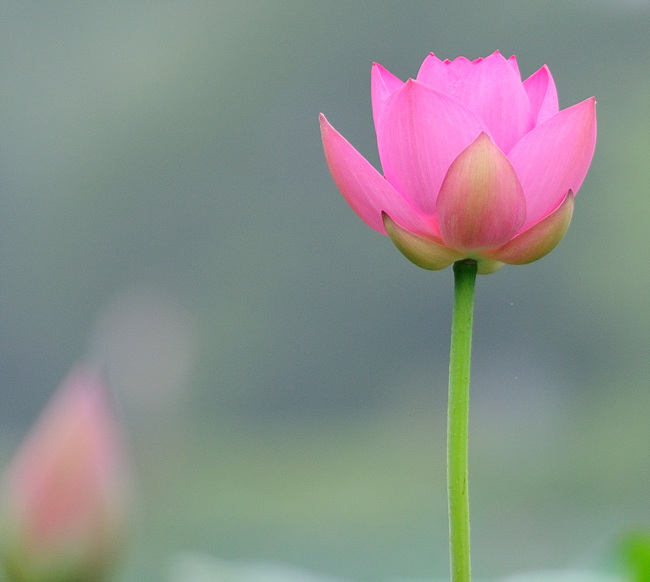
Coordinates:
476	163
66	491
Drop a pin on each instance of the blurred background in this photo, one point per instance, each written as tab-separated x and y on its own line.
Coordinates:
165	207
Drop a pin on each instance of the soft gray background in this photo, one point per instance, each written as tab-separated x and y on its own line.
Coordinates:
165	207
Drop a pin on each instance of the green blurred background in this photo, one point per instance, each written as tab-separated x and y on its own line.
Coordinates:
281	368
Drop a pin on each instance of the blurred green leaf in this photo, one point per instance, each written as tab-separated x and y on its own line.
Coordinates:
635	552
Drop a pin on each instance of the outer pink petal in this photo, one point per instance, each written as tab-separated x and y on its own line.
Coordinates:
481	204
554	157
493	90
542	94
540	239
421	133
363	187
383	84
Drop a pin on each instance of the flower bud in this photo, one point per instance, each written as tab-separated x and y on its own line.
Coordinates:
66	491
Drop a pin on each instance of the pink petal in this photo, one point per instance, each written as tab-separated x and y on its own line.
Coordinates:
363	187
383	84
481	204
493	90
542	94
428	253
539	239
436	74
421	133
512	61
554	157
460	67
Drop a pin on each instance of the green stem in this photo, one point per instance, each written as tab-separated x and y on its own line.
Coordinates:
458	418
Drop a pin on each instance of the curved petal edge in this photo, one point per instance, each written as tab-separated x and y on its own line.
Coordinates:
539	239
424	252
487	266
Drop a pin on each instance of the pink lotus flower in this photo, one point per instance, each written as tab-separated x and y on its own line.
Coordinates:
66	489
477	164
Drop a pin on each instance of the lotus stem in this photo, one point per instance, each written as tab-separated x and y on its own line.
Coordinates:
458	419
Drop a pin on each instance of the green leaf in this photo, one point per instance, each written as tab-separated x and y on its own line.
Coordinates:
635	552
